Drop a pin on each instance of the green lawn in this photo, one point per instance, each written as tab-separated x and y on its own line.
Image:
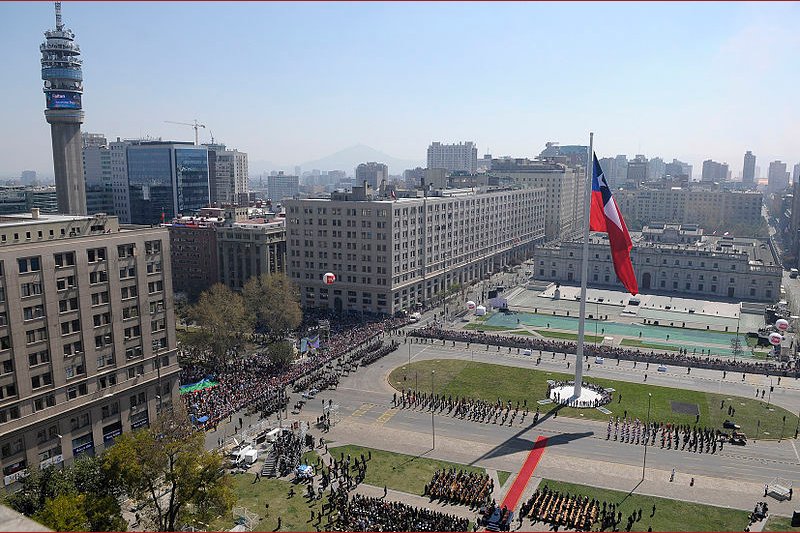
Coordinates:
650	345
488	382
779	523
406	473
671	515
294	512
502	475
568	336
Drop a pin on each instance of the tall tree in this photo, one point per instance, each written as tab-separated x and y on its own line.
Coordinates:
168	472
274	301
224	320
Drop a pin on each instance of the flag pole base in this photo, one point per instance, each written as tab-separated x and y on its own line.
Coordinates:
591	396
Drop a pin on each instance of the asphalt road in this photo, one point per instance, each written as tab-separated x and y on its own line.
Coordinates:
756	462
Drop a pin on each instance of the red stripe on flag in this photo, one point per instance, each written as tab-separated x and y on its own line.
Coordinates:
518	487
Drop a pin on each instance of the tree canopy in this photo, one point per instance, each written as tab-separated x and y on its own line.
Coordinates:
168	472
281	353
78	497
274	302
225	323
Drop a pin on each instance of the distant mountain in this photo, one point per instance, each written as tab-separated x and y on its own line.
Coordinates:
349	158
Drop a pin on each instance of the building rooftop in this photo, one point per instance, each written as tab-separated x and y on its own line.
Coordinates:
24	219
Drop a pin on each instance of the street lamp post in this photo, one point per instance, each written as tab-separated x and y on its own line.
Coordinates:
433	427
647	428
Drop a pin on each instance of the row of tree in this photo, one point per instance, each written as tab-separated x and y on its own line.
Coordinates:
165	470
268	304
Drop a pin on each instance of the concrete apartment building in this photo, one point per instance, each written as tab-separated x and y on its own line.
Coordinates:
704	207
563	186
87	336
389	256
461	157
674	259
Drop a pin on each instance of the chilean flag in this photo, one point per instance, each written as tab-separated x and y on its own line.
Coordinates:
606	217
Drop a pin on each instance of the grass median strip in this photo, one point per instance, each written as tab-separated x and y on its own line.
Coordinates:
670	515
779	523
398	471
488	382
568	336
650	345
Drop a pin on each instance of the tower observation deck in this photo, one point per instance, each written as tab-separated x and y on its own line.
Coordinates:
63	89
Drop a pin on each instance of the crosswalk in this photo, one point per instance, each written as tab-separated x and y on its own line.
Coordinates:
380	420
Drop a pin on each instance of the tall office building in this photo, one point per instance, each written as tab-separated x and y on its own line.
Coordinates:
796	173
714	172
87	338
97	174
228	175
281	186
119	180
166	179
778	178
749	169
63	87
373	173
461	157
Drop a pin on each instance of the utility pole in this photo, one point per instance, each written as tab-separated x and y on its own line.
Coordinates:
647	428
433	427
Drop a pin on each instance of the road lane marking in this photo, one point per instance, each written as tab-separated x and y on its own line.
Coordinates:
362	410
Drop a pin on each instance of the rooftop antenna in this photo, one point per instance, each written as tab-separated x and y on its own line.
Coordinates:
59	24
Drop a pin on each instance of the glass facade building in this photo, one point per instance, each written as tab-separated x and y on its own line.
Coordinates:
166	179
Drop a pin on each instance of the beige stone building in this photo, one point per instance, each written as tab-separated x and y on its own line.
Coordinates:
395	255
87	336
673	259
563	186
247	249
704	207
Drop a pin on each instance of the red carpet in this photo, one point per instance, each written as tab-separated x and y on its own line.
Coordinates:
515	492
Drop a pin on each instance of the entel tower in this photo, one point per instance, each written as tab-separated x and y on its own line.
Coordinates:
63	87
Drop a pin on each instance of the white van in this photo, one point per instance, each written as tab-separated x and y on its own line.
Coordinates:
273	435
527	352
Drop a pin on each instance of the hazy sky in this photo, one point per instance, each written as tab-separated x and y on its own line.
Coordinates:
293	82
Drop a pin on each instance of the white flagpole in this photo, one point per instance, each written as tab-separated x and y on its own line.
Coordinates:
587	197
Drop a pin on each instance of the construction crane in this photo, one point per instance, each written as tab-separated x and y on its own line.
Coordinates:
195	125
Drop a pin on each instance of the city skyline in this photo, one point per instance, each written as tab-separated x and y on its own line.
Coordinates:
298	91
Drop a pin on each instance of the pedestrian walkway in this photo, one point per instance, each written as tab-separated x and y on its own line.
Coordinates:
515	492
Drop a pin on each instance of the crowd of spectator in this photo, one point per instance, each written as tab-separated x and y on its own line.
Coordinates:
461	487
473	409
683	358
562	509
254	380
287	450
362	513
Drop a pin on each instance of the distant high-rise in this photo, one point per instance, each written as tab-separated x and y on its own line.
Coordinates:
714	172
281	186
656	169
636	171
749	168
373	173
228	175
97	174
796	173
778	178
63	88
453	157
